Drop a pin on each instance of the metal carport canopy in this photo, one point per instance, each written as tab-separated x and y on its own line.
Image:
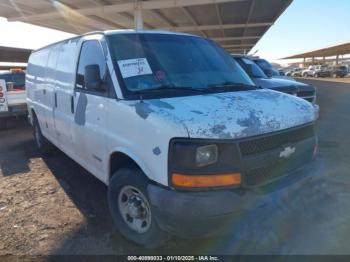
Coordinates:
14	55
236	24
337	50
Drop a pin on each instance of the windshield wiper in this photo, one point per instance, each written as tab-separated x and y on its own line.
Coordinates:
233	86
173	87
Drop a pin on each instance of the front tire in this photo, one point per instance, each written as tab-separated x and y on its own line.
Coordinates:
131	210
43	145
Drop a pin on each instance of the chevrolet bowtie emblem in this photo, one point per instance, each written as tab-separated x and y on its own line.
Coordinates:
287	152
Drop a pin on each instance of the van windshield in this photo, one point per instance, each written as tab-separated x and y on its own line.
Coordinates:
167	64
252	69
264	65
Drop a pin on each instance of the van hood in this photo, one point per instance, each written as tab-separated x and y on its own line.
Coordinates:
230	115
279	84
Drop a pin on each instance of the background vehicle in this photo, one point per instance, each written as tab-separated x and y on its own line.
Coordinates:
317	71
12	95
295	72
171	123
269	70
302	90
322	71
308	71
338	71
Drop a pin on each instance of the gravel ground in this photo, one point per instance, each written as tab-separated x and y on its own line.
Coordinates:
51	205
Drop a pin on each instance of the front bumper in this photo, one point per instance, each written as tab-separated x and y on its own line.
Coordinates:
208	213
17	110
212	213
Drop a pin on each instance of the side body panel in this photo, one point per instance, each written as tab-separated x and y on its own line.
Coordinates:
143	136
63	100
36	86
49	93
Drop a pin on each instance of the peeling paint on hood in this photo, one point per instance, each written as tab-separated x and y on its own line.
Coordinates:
231	115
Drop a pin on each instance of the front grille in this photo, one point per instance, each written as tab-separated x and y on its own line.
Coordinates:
309	99
275	170
289	92
266	143
306	93
260	175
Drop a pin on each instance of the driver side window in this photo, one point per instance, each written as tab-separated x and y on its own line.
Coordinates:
91	54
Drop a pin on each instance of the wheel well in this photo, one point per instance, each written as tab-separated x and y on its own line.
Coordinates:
119	160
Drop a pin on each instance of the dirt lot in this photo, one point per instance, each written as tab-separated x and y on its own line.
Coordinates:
53	206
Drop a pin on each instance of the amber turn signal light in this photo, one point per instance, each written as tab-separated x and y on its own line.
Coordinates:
198	181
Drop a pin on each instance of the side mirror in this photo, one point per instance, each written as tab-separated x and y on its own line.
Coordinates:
92	77
268	72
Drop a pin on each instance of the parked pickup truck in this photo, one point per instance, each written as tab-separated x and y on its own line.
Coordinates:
172	124
12	95
260	79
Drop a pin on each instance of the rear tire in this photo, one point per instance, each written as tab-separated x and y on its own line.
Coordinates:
131	210
44	146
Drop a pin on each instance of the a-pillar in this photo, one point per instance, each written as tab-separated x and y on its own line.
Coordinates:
138	19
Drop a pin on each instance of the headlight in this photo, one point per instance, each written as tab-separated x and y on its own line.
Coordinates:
203	163
206	155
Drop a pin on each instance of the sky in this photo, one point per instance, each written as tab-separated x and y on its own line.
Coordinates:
306	25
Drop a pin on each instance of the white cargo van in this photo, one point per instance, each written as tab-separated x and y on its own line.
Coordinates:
171	124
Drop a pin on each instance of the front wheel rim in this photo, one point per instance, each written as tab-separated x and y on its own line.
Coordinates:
134	209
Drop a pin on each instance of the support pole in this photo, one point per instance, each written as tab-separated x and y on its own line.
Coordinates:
337	60
304	63
138	19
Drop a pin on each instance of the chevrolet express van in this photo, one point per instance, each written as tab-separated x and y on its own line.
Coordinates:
173	125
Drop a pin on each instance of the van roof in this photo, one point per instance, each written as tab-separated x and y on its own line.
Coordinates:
119	31
133	31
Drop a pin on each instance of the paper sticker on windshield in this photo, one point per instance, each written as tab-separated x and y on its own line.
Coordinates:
134	67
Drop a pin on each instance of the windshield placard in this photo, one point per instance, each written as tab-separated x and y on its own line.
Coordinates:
134	67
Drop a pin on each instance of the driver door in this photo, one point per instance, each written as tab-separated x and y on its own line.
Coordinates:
91	109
